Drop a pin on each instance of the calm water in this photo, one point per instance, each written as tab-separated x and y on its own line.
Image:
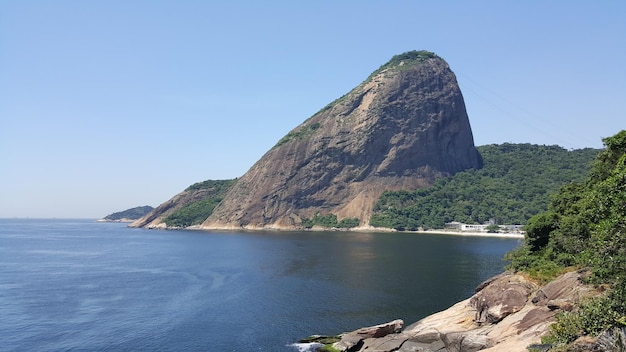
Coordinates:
77	285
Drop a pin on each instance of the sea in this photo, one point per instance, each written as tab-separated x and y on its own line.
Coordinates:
80	285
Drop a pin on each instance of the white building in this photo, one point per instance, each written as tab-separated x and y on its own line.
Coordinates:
481	228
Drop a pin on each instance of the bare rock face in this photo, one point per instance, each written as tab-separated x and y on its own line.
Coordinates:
501	297
402	128
373	334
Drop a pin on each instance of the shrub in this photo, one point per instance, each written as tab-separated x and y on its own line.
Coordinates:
585	227
192	214
348	223
514	184
592	317
329	221
196	212
301	133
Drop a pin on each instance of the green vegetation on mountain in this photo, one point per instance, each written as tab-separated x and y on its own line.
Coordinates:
303	132
398	62
196	212
130	214
329	221
584	227
217	186
405	60
513	185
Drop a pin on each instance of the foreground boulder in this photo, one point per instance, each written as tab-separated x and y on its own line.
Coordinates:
364	337
507	313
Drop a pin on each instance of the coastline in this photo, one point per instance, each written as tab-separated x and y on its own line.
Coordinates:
367	229
519	235
116	220
473	234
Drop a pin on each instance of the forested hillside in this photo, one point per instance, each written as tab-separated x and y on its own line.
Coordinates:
513	185
196	212
585	227
129	214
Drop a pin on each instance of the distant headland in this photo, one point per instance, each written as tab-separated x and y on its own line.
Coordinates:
128	215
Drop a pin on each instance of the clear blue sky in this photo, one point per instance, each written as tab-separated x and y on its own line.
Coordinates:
106	105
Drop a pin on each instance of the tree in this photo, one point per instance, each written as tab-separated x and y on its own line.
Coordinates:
585	226
514	184
538	230
493	228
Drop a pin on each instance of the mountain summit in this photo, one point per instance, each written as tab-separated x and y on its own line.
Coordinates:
402	128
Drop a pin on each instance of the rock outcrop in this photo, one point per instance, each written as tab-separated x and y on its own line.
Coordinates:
507	313
354	340
402	128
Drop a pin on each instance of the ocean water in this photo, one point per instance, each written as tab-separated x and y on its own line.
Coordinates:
78	285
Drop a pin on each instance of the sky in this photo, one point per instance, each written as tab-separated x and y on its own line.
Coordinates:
110	104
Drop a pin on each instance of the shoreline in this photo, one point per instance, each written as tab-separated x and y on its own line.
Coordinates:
473	234
364	229
116	220
518	235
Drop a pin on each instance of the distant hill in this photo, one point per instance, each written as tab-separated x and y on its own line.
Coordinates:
128	215
189	207
514	184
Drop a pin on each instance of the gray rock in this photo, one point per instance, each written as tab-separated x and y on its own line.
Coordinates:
391	342
357	338
412	346
561	293
502	297
613	340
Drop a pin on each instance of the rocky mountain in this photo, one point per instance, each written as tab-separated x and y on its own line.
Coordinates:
402	128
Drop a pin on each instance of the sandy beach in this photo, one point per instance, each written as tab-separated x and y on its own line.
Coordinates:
473	234
451	232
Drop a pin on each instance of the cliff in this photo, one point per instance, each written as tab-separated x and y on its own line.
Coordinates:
402	128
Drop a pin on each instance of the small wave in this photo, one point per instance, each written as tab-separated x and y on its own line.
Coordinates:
64	253
306	347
